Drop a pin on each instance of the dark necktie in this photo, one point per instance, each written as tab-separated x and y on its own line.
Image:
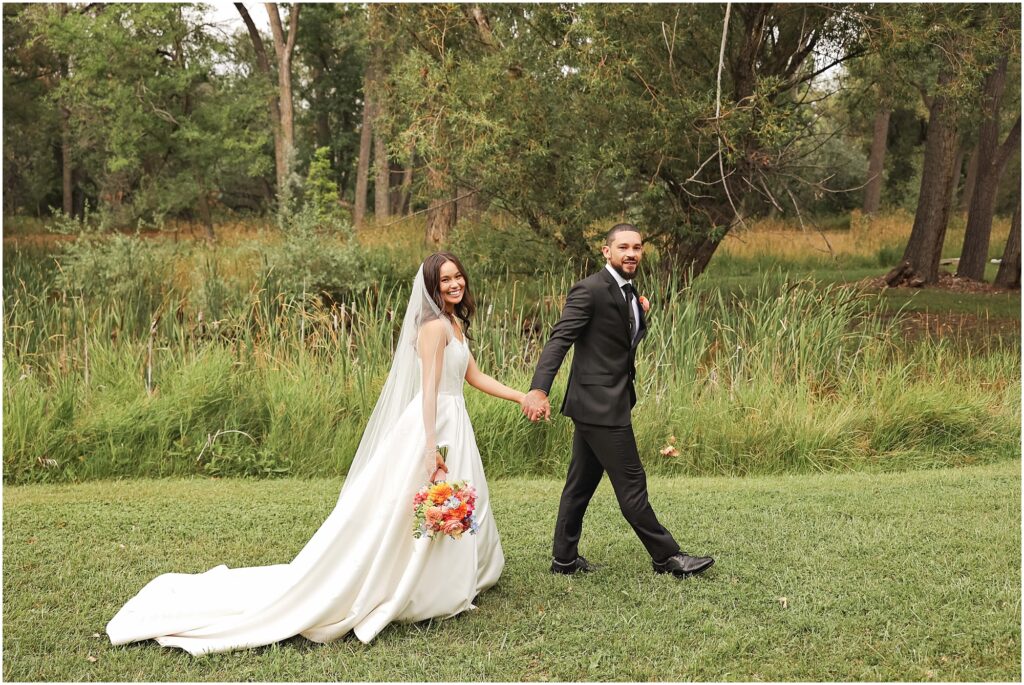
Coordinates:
630	294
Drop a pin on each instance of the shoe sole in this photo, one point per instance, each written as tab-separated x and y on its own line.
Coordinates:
685	574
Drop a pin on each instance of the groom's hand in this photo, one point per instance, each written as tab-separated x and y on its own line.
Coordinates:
535	405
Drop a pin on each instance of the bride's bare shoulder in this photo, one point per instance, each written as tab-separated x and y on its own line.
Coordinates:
434	330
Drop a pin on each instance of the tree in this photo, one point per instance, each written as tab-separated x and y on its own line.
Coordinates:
1008	275
952	40
971	181
32	114
876	163
330	55
373	139
284	48
381	165
566	115
924	248
273	98
365	142
992	159
156	129
280	103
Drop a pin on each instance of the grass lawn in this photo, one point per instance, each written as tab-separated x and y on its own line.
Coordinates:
906	576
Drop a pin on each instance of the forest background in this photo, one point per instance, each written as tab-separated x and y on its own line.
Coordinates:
212	216
208	226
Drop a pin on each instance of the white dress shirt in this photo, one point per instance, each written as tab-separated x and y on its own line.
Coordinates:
636	304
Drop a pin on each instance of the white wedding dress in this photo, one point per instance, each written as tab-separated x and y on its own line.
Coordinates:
361	570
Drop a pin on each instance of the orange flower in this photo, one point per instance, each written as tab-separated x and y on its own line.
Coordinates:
440	493
645	303
458	513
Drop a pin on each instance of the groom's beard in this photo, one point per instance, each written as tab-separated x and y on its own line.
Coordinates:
627	276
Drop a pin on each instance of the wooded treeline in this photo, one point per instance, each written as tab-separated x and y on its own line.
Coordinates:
689	119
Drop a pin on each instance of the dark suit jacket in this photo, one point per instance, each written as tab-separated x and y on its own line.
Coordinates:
594	319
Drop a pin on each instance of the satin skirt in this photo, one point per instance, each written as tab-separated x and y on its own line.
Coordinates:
359	572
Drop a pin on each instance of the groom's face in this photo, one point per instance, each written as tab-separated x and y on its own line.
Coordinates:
624	252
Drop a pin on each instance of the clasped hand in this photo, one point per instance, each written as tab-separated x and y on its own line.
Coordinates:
436	468
535	405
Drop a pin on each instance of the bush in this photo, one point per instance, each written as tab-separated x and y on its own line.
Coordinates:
492	248
318	255
127	269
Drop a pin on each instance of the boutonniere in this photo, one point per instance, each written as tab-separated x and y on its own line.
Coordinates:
645	303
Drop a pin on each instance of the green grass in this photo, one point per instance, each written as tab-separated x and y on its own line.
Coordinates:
994	305
736	277
903	576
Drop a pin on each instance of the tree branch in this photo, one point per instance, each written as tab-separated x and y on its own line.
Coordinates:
257	40
718	112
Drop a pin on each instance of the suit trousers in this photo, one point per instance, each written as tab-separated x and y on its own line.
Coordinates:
595	450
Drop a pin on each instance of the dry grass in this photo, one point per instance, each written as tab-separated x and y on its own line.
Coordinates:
786	240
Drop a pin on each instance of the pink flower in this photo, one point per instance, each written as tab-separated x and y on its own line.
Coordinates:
433	515
669	451
453	528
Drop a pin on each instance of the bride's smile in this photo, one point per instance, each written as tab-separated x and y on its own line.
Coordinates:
453	284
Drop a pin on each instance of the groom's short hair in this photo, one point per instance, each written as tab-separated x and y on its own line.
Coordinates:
617	228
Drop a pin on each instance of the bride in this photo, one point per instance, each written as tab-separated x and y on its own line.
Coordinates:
362	569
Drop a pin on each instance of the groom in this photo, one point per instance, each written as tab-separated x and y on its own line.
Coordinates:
604	321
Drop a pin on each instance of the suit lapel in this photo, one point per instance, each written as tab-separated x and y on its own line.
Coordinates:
642	330
619	301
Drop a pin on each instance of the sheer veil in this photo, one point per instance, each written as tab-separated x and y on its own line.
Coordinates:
404	379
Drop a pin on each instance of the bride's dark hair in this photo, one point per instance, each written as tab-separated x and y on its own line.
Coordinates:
432	282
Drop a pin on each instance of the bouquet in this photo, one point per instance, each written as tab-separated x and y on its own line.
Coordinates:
444	508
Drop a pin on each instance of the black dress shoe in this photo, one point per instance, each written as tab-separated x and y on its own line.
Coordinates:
683	564
580	565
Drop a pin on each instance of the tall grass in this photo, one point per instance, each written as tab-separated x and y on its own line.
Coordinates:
210	369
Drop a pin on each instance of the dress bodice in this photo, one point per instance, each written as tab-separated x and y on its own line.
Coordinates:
456	360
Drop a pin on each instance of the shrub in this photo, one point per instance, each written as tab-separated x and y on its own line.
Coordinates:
318	255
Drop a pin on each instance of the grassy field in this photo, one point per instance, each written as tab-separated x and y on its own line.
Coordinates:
904	576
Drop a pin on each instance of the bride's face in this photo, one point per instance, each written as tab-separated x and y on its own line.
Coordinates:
453	285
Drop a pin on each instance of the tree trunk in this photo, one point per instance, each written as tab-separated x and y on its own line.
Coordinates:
954	178
1008	275
322	125
876	162
978	235
467	207
395	198
67	185
382	180
970	181
284	47
273	105
991	163
365	140
690	258
381	164
441	215
924	248
206	215
406	190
